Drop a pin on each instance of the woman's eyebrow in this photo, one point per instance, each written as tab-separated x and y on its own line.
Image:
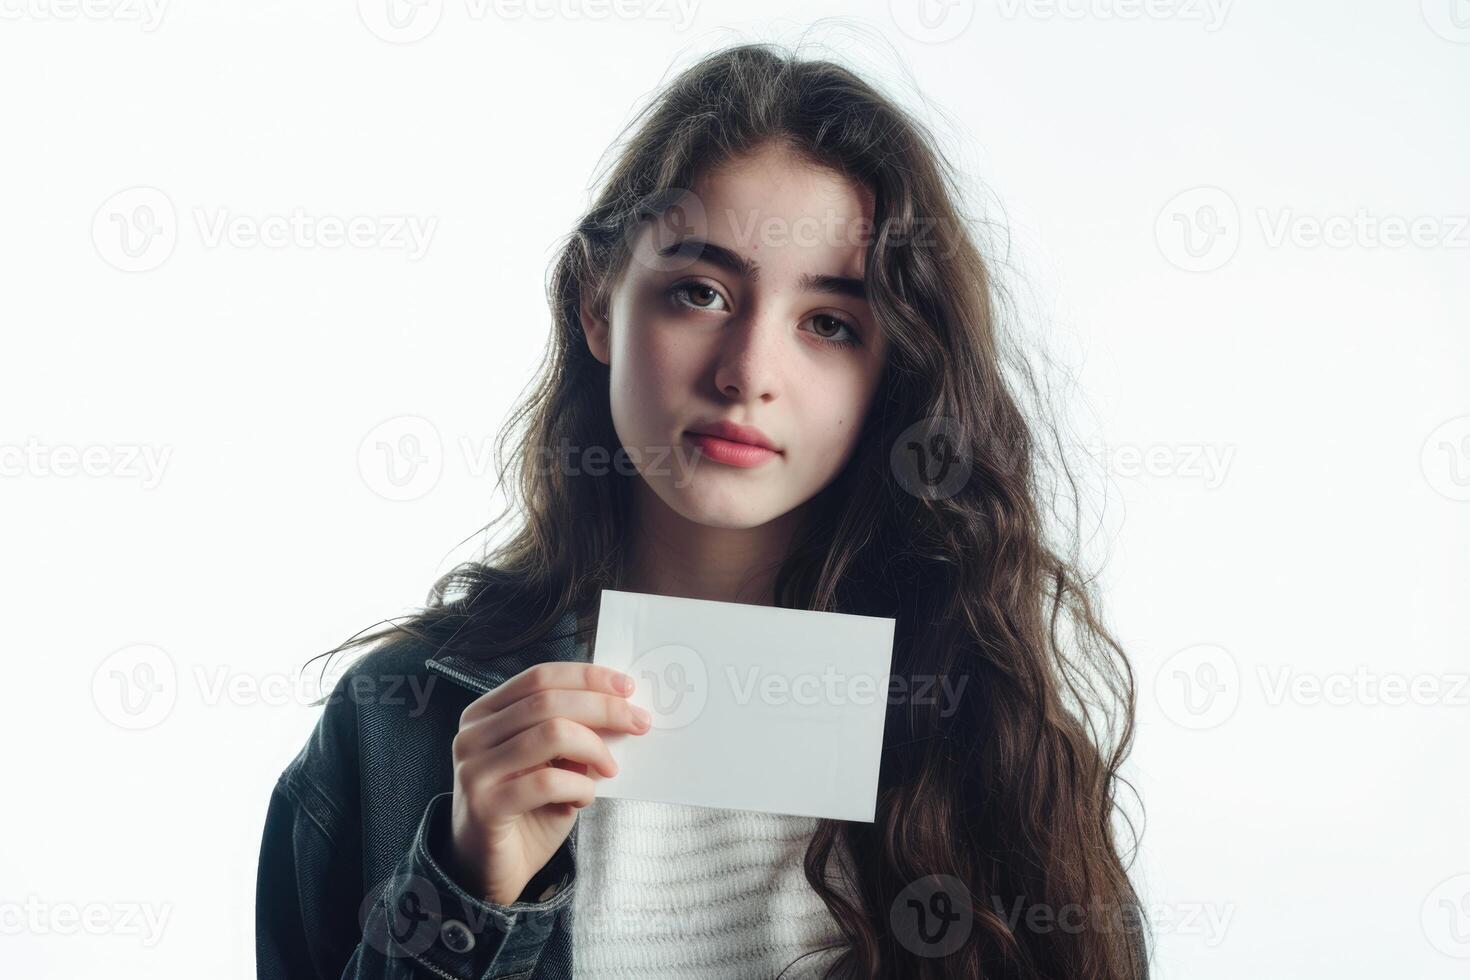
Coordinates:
748	269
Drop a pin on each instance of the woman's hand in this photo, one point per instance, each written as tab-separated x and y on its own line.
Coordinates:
525	757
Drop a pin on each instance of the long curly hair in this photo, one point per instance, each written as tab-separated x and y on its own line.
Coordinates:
1001	805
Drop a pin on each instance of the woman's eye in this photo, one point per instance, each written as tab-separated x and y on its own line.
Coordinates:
825	322
831	330
699	295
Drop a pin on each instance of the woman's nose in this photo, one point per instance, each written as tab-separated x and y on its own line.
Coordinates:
750	355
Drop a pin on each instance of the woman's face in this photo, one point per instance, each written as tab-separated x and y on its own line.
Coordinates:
744	305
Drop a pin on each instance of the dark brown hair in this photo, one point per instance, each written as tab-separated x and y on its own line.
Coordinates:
1011	790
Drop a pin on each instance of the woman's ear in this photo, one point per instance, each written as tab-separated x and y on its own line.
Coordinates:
595	326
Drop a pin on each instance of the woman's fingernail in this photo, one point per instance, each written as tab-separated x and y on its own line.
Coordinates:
642	716
625	683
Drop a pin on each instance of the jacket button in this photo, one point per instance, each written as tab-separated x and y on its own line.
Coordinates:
457	936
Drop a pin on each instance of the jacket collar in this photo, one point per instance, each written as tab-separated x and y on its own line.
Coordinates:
481	675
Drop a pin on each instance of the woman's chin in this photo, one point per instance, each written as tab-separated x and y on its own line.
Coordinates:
720	507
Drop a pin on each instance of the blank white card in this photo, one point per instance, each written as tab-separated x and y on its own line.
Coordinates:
754	707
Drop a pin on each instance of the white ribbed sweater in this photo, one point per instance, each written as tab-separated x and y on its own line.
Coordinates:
668	891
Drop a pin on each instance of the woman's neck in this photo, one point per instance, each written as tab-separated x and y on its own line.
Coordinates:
674	556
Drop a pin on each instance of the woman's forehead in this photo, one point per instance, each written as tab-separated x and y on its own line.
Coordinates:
775	182
763	229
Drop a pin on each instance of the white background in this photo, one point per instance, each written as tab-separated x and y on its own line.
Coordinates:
1304	818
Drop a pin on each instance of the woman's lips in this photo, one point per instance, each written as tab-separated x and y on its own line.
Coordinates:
733	453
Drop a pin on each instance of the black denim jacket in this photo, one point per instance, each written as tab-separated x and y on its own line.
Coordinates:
352	880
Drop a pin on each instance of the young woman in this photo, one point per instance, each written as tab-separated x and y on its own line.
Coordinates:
776	376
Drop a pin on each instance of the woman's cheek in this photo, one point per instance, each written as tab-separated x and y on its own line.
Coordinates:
827	449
